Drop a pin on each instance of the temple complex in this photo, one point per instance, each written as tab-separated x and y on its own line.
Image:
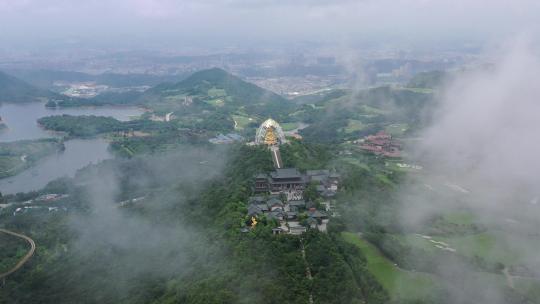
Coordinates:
283	180
279	194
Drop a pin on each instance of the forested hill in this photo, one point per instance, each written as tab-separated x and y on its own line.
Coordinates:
15	90
182	241
428	80
216	79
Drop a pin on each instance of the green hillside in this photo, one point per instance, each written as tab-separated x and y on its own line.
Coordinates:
15	90
428	80
220	89
347	115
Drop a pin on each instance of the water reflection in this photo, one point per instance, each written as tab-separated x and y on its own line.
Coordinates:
21	120
78	153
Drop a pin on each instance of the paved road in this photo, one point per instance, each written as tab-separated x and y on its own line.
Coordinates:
28	255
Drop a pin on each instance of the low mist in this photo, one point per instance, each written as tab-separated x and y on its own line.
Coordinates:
135	228
480	156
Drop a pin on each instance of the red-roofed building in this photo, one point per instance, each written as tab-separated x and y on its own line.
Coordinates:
381	144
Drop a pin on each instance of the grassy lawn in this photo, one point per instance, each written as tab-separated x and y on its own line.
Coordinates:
528	287
365	109
485	245
242	121
213	92
356	162
354	125
175	98
392	165
420	90
408	285
396	129
383	178
217	102
459	217
288	126
399	283
418	242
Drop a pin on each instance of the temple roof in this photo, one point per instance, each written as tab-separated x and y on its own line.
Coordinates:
274	201
254	210
286	173
317	172
316	214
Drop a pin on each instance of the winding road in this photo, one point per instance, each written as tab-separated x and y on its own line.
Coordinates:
28	255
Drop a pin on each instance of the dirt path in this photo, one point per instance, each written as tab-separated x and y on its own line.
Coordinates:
509	279
28	255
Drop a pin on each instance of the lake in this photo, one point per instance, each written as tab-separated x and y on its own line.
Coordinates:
21	120
78	153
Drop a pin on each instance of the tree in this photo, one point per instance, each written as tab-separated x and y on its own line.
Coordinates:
311	194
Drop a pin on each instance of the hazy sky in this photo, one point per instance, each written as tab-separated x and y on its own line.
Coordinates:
273	20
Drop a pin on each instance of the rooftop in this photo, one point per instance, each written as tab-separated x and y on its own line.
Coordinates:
286	173
317	172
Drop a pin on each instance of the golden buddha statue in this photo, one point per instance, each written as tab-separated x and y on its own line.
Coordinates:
270	138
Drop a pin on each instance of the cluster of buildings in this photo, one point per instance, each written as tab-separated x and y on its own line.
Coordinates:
381	144
51	197
81	89
26	209
293	217
279	195
226	139
37	204
291	183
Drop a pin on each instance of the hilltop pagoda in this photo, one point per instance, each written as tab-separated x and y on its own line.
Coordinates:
270	133
270	138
